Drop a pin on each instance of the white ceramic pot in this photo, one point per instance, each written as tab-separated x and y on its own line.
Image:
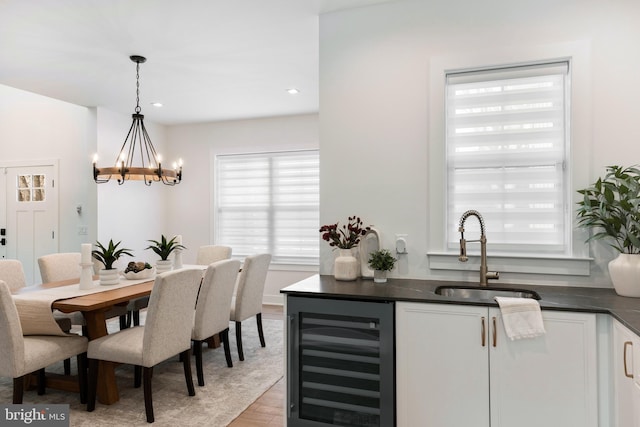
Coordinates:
346	266
109	277
380	276
625	275
163	265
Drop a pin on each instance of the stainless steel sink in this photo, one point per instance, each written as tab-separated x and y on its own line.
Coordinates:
484	293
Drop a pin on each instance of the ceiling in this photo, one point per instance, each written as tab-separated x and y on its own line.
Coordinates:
207	60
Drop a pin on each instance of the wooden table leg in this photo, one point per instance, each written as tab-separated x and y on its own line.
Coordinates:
107	387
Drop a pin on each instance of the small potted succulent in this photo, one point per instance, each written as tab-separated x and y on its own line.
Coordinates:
163	249
108	255
381	262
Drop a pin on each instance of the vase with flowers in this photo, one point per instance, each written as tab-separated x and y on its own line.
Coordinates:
345	239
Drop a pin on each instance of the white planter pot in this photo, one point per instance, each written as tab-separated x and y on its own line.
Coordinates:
346	266
625	275
380	276
109	277
163	265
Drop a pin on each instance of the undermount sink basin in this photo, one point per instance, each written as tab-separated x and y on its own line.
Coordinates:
484	293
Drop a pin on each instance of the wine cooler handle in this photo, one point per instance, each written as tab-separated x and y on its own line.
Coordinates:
291	331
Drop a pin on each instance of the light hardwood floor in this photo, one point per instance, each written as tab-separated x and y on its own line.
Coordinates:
268	410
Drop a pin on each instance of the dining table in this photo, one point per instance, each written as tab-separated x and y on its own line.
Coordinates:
93	307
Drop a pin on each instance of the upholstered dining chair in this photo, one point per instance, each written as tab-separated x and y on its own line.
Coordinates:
212	253
12	273
59	266
66	265
212	309
248	300
166	333
21	355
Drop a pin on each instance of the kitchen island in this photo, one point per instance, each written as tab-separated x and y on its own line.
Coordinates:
455	366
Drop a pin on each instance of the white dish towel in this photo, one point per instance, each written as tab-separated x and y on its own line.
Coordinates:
521	317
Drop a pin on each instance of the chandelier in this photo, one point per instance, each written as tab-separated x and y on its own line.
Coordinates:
137	146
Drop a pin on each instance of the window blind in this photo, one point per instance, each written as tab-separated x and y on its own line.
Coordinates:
269	202
507	143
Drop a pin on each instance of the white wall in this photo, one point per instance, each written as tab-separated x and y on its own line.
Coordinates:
190	208
376	94
35	127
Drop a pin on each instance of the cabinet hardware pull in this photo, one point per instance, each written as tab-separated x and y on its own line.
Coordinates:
495	333
626	374
484	333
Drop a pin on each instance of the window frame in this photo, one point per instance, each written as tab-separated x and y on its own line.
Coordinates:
443	263
291	262
504	72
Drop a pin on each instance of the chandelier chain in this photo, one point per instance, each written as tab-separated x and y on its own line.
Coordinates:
138	88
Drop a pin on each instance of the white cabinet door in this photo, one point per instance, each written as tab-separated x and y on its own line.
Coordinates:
623	372
441	365
446	359
549	380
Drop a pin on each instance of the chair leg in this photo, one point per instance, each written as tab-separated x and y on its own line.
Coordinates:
224	336
137	376
82	376
186	363
197	351
124	320
42	382
18	390
239	340
148	401
93	384
260	333
136	317
67	366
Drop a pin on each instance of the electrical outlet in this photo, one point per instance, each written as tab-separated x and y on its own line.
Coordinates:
401	243
83	230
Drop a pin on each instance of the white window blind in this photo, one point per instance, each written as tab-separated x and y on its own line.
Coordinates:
269	202
507	143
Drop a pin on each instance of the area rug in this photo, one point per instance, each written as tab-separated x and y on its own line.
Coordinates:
226	394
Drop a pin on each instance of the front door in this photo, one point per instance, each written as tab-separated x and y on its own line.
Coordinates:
31	216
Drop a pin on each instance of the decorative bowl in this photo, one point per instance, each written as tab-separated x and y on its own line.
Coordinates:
144	274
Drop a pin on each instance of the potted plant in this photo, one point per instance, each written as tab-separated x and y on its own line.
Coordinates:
163	249
345	238
381	262
108	256
611	207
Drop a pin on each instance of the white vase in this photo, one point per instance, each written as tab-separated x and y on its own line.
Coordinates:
109	277
346	266
625	275
380	276
163	265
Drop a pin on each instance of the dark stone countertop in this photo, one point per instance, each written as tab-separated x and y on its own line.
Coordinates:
564	298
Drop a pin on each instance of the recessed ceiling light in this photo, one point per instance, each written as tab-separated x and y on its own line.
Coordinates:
157	104
293	91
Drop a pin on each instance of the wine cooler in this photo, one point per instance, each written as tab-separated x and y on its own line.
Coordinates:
340	363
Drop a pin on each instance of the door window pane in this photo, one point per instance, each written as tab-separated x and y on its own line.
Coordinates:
31	188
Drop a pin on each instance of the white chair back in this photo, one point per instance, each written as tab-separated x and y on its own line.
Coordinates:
212	253
60	266
214	299
12	273
250	287
170	316
12	348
